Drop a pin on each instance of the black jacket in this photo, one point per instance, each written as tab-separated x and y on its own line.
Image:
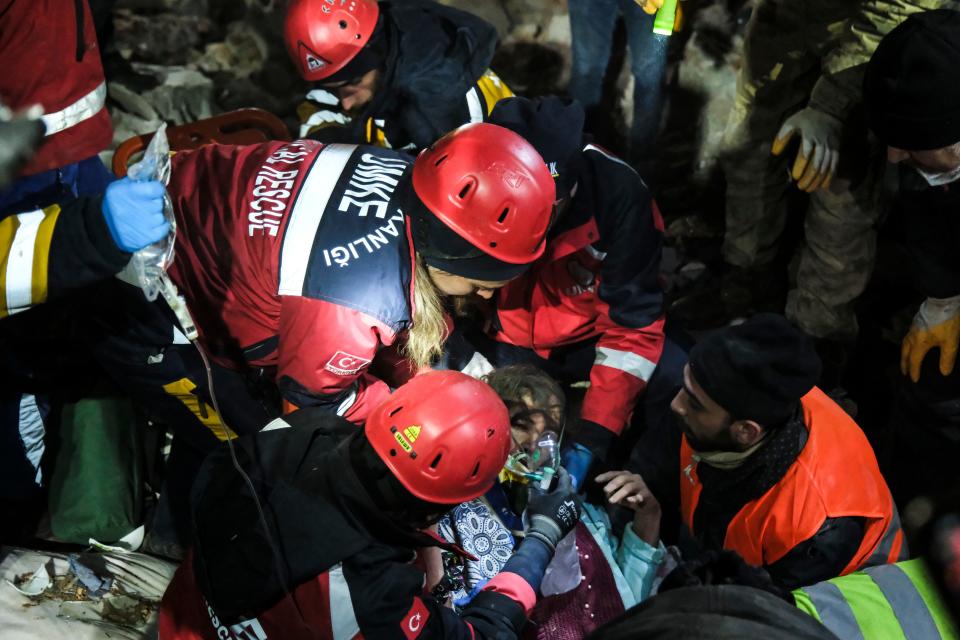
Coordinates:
932	232
319	515
436	54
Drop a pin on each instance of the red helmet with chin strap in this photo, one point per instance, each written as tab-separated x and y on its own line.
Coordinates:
491	187
322	36
444	435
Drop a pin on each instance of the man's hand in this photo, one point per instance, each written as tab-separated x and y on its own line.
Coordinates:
628	490
134	213
817	159
937	324
554	514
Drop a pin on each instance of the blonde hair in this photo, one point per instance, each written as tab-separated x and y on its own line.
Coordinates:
429	328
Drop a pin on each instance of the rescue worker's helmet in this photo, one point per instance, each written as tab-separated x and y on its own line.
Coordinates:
444	435
491	187
322	36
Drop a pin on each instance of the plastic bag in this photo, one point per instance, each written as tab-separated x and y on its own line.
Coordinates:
148	265
563	573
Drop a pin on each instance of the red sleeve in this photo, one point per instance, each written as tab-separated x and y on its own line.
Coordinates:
324	352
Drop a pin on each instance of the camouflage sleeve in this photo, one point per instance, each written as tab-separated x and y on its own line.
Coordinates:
840	85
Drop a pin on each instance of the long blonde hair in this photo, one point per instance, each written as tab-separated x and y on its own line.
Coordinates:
429	328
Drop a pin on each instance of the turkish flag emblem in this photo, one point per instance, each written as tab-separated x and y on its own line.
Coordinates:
415	620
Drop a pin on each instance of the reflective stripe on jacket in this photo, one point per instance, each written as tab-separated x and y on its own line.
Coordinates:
889	602
50	54
835	475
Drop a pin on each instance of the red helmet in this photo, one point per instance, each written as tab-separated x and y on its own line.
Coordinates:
322	36
491	187
444	435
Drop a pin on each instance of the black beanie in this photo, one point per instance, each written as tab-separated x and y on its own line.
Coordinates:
757	370
911	88
554	126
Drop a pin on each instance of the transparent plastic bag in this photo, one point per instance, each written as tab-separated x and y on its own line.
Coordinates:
563	573
147	267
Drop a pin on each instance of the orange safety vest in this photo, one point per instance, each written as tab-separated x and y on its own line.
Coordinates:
836	475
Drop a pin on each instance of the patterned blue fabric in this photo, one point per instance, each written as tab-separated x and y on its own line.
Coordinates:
474	527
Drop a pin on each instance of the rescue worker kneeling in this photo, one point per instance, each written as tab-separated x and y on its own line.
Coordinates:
344	510
771	467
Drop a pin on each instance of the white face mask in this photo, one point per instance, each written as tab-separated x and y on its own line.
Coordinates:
935	179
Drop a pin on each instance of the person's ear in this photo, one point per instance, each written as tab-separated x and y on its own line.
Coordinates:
746	433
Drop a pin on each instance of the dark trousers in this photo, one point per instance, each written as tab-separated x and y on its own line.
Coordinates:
135	342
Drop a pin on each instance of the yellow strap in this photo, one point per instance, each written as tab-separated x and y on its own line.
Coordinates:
182	390
41	254
8	231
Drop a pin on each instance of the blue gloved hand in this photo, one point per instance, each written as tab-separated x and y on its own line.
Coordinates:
576	459
134	213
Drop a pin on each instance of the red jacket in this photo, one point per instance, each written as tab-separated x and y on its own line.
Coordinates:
836	475
296	256
599	278
50	56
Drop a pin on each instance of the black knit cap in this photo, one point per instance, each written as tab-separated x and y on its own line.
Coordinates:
757	370
911	92
554	126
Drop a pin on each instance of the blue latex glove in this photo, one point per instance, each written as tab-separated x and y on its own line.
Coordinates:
134	213
576	459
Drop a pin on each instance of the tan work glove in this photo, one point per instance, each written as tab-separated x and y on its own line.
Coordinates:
937	324
817	159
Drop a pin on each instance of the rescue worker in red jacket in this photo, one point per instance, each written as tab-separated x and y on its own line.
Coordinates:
772	468
592	306
393	74
49	48
344	511
299	262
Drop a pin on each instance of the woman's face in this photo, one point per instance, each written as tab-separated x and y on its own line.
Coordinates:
528	421
451	285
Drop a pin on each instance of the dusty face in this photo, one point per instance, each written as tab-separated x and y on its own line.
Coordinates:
944	160
528	421
706	424
451	285
356	94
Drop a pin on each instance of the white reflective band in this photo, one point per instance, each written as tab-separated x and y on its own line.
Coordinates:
276	423
596	255
83	109
478	366
306	214
20	262
631	363
343	621
349	402
474	105
32	432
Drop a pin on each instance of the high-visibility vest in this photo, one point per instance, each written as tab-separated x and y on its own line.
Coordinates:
890	602
836	475
50	56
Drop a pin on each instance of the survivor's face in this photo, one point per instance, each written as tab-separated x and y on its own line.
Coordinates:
934	161
357	93
451	285
706	424
528	421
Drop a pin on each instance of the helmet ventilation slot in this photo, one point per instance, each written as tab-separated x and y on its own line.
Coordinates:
503	215
436	461
395	411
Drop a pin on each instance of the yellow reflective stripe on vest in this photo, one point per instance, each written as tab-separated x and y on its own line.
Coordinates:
833	610
492	89
908	605
892	601
182	390
25	258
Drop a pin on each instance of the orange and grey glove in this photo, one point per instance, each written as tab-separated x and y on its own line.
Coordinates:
819	153
937	324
